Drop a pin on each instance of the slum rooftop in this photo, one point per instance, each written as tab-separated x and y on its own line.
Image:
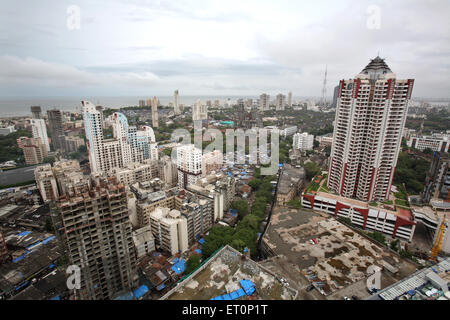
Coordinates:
222	276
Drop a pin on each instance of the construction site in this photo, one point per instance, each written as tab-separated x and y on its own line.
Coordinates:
231	275
323	258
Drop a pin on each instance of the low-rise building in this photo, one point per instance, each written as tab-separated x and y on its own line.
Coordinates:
170	230
290	183
34	150
46	182
303	141
144	242
436	142
385	219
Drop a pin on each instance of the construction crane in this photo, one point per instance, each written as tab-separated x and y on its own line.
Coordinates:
437	244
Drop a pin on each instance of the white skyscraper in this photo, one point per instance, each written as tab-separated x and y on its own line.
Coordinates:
176	102
39	130
154	103
303	141
280	102
128	145
199	111
264	102
189	164
370	117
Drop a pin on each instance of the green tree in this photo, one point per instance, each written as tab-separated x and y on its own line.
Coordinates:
241	206
192	263
311	169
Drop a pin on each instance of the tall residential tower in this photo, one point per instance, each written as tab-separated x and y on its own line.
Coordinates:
370	117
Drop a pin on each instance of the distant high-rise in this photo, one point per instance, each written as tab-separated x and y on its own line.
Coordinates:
264	102
199	111
94	227
335	97
370	117
56	128
280	103
141	103
290	99
34	151
39	130
155	122
176	103
36	112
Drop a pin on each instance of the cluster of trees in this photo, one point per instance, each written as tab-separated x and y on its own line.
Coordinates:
411	171
244	235
192	263
311	169
8	146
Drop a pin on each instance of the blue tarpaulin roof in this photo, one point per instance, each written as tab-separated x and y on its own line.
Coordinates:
179	267
24	233
56	298
201	241
198	251
139	292
248	286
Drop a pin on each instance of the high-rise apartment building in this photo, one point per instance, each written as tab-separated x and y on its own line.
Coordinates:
176	103
34	151
370	117
289	99
128	144
303	141
155	122
264	102
199	111
280	102
36	112
94	227
189	164
39	130
56	128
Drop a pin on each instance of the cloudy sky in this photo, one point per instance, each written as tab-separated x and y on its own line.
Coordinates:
139	47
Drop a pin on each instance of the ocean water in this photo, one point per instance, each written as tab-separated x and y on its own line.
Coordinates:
12	107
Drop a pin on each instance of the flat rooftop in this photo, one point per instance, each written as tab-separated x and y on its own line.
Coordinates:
222	273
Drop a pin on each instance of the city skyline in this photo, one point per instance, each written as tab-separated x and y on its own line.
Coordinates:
210	47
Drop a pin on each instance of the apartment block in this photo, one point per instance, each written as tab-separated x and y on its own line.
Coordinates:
169	229
370	117
143	240
34	150
280	102
303	141
189	164
56	128
437	142
211	162
264	102
94	226
46	182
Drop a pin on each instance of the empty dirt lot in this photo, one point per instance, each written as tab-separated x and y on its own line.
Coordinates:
338	259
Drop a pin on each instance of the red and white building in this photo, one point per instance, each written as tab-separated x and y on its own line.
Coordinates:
397	224
370	117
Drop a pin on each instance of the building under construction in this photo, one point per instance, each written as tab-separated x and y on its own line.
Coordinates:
93	225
